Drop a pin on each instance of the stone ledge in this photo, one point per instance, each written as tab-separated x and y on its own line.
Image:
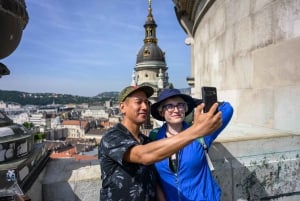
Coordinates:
65	170
243	132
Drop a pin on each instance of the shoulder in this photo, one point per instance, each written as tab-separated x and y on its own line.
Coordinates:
226	107
112	133
153	134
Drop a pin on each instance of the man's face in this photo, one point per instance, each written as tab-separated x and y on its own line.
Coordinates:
135	107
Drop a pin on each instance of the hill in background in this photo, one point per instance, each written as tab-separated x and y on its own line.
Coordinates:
25	98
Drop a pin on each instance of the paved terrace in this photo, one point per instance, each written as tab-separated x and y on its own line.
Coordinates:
251	163
68	177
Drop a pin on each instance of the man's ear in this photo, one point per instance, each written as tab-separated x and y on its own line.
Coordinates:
121	107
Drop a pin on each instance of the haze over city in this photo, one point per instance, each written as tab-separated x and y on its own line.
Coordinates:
85	48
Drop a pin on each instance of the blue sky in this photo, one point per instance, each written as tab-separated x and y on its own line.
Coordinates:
88	47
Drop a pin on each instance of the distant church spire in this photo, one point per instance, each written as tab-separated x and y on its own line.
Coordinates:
150	26
151	68
150	3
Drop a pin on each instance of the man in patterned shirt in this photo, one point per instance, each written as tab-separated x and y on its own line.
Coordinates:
126	156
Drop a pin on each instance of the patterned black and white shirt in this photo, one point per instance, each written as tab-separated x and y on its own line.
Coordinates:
122	181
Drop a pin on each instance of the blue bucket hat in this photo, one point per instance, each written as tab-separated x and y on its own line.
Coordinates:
170	93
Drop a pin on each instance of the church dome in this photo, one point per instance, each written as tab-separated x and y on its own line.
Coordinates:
13	19
150	52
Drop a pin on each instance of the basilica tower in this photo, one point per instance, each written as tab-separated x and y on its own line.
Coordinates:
151	68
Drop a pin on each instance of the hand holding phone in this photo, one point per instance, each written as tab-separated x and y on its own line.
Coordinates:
209	97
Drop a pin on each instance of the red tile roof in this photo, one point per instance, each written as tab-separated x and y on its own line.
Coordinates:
70	153
82	123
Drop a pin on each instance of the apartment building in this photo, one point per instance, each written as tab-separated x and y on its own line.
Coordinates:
76	128
95	113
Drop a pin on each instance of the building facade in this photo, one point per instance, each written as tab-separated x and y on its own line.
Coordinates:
151	68
249	50
76	128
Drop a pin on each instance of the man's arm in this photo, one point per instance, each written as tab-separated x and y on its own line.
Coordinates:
204	124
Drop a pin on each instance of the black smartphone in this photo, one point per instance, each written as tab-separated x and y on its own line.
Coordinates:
209	97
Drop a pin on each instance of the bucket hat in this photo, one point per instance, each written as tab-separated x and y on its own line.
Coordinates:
130	89
170	93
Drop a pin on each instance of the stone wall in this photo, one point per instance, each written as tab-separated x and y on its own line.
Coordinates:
254	163
249	50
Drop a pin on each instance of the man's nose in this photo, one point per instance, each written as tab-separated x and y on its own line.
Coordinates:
146	105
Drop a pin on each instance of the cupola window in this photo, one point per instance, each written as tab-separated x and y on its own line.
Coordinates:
146	53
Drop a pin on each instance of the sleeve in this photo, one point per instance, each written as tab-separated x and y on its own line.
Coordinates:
114	145
227	112
153	134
